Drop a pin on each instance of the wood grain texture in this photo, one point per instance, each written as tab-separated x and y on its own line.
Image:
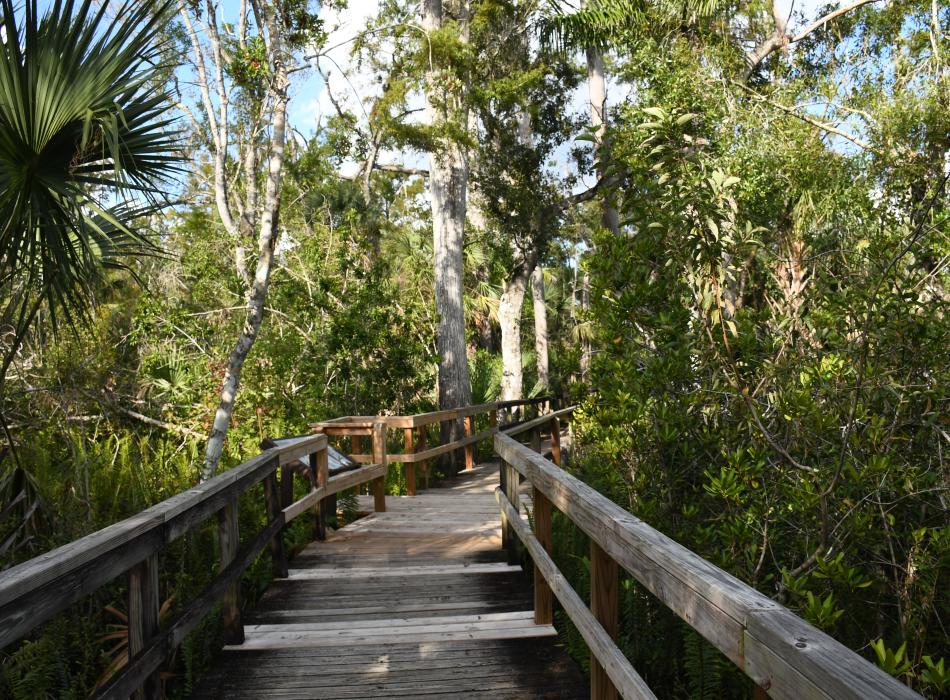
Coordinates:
616	665
543	596
417	601
756	633
604	605
143	606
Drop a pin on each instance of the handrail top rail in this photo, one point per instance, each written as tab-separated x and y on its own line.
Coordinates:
764	638
155	526
421	419
537	422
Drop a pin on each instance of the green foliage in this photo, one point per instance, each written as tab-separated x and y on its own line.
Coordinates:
80	116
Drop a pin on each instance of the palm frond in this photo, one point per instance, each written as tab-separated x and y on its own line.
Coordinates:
85	144
602	24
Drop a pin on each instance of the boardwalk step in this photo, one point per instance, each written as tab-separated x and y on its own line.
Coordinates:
388	572
404	630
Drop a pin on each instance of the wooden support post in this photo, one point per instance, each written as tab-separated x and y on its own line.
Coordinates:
423	433
320	464
493	419
274	512
469	422
556	441
409	466
228	540
536	439
543	597
143	618
604	604
509	485
286	487
379	457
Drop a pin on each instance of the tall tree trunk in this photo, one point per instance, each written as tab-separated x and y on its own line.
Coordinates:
509	317
448	189
266	242
540	326
597	93
586	352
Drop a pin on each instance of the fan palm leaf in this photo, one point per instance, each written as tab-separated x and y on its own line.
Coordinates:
86	147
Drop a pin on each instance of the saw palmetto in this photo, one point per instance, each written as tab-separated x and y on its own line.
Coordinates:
86	147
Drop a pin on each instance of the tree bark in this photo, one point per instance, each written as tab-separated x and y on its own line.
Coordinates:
509	317
266	242
540	326
448	188
597	94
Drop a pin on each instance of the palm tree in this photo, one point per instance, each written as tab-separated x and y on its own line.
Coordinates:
85	148
85	151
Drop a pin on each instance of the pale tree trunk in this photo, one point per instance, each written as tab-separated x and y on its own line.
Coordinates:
597	94
266	240
540	326
509	317
586	352
448	188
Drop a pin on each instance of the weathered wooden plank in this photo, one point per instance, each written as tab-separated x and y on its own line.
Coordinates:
555	427
604	605
714	603
432	452
389	572
537	422
616	665
143	606
386	626
321	466
380	457
469	427
183	512
834	668
409	448
124	683
347	480
543	596
296	449
38	589
228	542
274	513
320	639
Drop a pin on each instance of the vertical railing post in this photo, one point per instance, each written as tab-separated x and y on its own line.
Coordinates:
493	418
356	447
228	540
469	448
604	604
379	457
274	512
543	596
423	433
286	487
410	467
143	618
555	441
320	464
536	439
509	485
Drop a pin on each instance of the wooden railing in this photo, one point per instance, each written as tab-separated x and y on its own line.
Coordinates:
785	657
33	592
416	433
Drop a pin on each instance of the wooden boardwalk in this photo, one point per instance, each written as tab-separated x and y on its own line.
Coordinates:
418	601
